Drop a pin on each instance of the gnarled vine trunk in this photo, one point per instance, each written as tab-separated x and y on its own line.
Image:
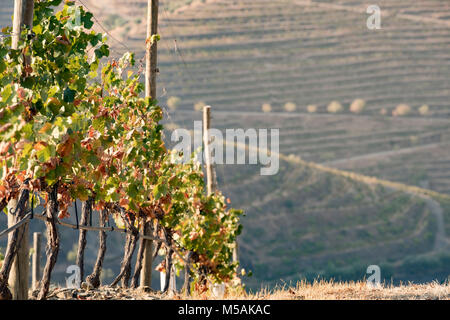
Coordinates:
125	267
159	243
52	241
12	247
94	279
169	254
86	212
187	275
138	265
168	270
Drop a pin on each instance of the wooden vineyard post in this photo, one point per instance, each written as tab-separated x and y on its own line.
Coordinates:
36	261
18	277
172	281
210	173
150	91
151	49
236	252
211	182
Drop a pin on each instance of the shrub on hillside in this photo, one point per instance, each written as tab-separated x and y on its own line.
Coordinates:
173	103
266	107
311	108
290	107
357	106
401	110
334	107
171	126
114	20
424	110
199	106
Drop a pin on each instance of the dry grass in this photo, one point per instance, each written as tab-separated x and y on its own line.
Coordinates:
318	290
322	290
329	290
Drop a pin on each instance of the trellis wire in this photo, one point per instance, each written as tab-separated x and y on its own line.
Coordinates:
43	217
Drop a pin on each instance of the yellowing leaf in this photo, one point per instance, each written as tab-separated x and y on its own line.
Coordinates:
45	128
40	146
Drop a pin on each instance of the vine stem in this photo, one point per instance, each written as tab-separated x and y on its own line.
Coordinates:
130	245
86	213
140	257
13	244
94	278
52	249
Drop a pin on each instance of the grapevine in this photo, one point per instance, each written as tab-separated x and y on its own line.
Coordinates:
74	126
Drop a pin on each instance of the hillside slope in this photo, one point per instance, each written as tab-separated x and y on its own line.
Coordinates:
310	220
306	221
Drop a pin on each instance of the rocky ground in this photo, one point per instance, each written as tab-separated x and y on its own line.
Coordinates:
102	293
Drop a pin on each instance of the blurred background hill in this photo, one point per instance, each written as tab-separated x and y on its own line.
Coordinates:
373	102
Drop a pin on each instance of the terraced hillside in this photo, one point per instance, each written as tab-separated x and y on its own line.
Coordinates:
310	221
247	53
305	223
312	224
6	10
412	150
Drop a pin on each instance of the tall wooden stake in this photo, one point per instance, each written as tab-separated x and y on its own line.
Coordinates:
236	252
211	182
36	262
152	49
210	173
17	22
18	278
150	91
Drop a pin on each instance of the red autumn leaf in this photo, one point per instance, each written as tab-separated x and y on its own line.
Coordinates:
124	202
63	40
21	93
66	147
193	235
